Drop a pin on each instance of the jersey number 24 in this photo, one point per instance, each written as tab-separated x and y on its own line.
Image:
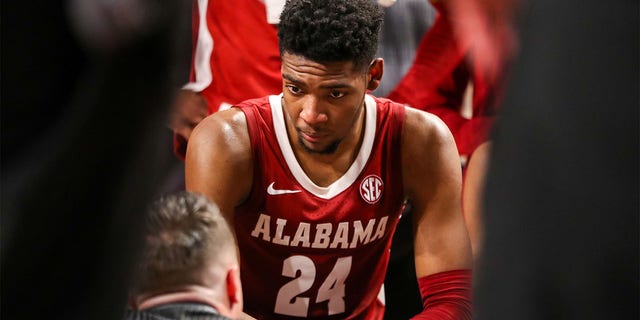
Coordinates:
292	302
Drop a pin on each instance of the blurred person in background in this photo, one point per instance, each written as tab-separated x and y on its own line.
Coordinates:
561	199
188	268
85	94
230	61
445	80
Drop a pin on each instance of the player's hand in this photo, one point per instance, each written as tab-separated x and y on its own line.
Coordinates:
188	109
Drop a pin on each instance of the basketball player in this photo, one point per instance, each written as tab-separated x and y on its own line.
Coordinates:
314	179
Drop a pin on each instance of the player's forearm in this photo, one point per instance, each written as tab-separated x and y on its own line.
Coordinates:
446	296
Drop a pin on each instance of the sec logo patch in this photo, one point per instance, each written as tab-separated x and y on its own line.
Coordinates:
371	189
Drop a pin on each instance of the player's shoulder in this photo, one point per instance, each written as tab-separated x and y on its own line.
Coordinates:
234	116
224	130
229	120
422	123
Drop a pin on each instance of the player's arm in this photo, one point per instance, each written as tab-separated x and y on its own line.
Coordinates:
219	161
432	181
472	195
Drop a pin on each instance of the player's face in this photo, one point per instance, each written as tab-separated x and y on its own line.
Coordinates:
323	102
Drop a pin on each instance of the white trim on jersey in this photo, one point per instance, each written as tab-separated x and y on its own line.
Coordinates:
204	48
274	8
381	296
356	167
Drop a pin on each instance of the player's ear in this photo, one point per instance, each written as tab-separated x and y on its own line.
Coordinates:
374	73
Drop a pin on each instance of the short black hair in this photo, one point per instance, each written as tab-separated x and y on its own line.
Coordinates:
331	30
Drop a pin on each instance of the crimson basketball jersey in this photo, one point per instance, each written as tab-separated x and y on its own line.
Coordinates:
235	52
235	55
319	252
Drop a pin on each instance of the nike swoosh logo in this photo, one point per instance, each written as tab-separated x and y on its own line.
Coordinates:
272	191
